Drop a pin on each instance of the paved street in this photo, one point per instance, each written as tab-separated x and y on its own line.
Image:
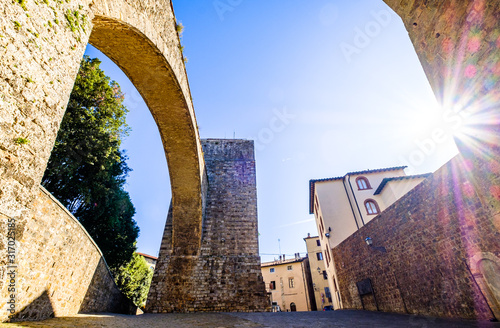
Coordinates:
346	318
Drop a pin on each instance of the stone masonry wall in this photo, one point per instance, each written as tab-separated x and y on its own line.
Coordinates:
458	44
226	275
60	270
434	237
41	46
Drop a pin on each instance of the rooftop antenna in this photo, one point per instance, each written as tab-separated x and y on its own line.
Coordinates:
279	245
234	134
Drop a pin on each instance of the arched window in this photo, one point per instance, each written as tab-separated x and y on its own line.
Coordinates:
371	207
363	183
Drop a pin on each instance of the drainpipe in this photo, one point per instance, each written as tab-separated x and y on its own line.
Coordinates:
352	190
350	204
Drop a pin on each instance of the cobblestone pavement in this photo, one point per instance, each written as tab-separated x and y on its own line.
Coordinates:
345	318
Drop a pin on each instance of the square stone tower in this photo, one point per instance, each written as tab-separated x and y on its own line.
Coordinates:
226	274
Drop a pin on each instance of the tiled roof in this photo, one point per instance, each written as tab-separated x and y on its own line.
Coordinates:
395	168
407	177
148	256
278	262
311	237
311	191
313	182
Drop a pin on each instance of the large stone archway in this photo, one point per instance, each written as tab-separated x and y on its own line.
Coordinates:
42	44
166	92
143	41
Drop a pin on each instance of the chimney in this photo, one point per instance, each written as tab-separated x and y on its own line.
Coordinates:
283	257
308	235
280	258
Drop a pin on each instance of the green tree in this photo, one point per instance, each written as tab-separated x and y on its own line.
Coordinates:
134	279
86	171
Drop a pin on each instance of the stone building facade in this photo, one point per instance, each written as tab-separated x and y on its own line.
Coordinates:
225	274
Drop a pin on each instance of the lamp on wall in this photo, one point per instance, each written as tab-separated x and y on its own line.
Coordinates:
369	242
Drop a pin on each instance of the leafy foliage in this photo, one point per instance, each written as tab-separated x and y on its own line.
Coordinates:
134	279
86	171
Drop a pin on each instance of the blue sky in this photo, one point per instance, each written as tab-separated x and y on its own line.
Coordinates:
324	87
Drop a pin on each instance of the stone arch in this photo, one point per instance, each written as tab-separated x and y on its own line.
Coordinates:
42	45
141	38
155	67
485	267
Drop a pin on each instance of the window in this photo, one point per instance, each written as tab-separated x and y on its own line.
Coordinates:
371	207
318	243
328	294
363	183
271	270
291	283
325	275
321	226
289	268
319	256
272	285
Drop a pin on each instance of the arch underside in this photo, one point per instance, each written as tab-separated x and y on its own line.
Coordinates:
151	74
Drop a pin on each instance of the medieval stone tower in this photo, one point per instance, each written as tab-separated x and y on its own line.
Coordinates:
224	275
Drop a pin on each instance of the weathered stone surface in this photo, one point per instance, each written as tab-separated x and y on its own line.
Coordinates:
225	275
41	46
59	270
458	44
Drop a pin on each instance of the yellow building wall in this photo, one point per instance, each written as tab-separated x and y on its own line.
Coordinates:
318	280
284	294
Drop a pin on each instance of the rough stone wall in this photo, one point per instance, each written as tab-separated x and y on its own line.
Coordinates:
41	46
458	44
225	275
60	270
431	235
40	58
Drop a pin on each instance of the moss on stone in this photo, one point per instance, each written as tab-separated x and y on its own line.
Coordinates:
22	3
76	21
21	141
